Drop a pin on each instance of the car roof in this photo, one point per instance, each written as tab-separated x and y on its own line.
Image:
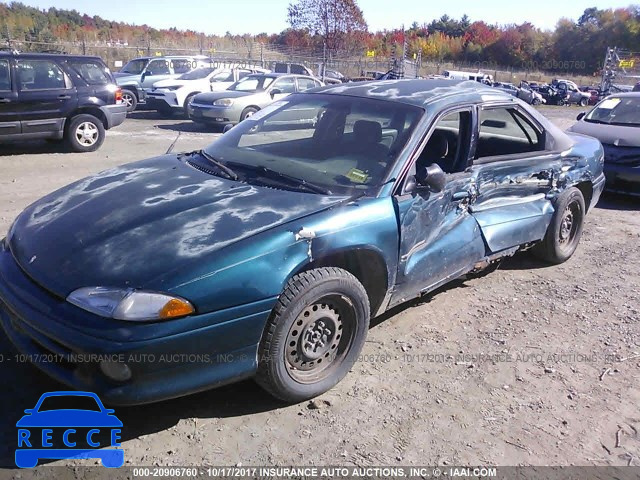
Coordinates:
417	92
46	55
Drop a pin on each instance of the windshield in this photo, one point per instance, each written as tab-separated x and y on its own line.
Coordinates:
223	76
196	74
341	144
67	402
252	83
135	67
616	111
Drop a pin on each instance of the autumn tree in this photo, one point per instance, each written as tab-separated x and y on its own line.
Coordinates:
334	21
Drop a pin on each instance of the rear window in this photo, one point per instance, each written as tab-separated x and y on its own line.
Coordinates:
91	72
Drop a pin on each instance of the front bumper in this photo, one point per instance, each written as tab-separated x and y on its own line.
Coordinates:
163	99
115	114
623	179
223	350
210	114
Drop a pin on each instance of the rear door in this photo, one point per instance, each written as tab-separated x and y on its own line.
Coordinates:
46	95
9	117
514	174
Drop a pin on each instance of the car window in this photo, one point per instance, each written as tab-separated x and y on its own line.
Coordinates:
182	65
506	131
243	73
158	67
66	402
285	85
448	145
197	74
40	75
91	72
5	75
298	69
306	84
252	83
135	67
339	142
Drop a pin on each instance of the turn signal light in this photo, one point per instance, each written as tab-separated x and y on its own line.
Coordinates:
175	308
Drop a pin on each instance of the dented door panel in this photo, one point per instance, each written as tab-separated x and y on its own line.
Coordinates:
439	239
513	205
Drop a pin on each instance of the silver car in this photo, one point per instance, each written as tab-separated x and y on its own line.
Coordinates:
246	97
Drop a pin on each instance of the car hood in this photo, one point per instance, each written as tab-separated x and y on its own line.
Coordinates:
209	97
170	82
131	225
126	78
609	134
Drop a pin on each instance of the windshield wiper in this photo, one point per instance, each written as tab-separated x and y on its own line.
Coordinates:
230	173
298	182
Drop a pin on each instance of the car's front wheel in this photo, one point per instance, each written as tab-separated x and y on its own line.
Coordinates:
314	334
565	229
584	102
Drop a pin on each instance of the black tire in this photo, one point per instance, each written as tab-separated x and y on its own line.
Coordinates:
584	102
322	315
247	112
186	103
565	229
84	133
130	99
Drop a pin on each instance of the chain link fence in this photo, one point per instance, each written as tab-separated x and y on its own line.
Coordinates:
353	63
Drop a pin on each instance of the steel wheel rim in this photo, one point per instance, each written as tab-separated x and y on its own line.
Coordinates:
569	224
320	338
87	134
248	114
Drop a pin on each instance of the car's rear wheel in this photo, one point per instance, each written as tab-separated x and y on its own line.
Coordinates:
564	232
85	133
129	99
314	334
584	102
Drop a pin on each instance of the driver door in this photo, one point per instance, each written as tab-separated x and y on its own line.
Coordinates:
439	238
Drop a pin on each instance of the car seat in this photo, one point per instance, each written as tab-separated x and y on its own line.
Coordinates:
435	151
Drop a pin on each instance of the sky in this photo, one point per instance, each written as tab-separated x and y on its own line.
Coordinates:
270	16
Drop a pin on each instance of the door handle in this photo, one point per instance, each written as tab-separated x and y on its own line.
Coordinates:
64	97
5	100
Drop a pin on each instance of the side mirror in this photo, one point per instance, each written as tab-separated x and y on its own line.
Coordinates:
275	91
580	116
432	177
29	411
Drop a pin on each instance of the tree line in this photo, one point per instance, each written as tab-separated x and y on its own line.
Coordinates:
337	28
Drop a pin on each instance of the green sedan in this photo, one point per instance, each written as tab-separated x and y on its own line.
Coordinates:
246	97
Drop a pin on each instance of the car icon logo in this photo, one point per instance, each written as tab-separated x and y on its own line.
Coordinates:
69	425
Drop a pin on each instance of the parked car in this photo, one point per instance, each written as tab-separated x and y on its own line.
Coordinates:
574	94
173	95
246	97
615	121
292	68
527	94
138	76
553	95
267	253
636	88
70	98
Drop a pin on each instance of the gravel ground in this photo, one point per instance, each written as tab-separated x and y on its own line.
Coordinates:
529	365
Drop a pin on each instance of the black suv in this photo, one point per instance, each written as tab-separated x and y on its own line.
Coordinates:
61	97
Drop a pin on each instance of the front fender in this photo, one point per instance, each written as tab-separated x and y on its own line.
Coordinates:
258	267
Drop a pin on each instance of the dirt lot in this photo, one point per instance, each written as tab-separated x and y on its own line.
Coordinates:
531	365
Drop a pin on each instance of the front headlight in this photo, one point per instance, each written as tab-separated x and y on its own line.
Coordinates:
223	102
129	304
